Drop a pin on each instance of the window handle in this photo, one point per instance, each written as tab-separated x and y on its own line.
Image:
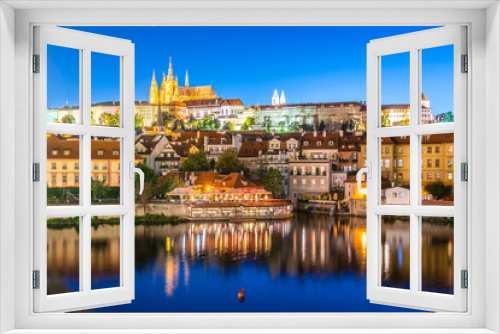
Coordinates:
367	170
133	171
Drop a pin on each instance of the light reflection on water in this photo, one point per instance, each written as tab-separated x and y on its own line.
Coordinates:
308	264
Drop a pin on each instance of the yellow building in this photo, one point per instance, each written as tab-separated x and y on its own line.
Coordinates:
437	159
63	161
170	91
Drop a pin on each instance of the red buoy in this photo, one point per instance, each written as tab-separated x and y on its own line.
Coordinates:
241	295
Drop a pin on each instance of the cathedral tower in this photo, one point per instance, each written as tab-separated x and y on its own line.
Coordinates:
282	98
153	91
276	98
187	80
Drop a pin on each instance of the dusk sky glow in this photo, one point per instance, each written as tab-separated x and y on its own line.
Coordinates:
311	64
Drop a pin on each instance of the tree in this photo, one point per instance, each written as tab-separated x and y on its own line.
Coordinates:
150	184
169	183
216	124
192	122
228	126
228	162
110	119
295	127
281	126
248	124
385	120
322	126
207	123
167	118
438	189
97	189
68	119
308	127
196	162
262	164
139	123
273	181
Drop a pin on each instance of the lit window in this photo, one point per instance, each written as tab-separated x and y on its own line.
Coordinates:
66	152
450	176
400	163
322	182
450	148
400	150
394	195
294	182
387	163
429	176
429	163
313	182
450	162
55	152
303	182
438	177
100	152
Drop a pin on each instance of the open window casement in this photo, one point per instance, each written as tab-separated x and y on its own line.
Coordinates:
63	154
416	136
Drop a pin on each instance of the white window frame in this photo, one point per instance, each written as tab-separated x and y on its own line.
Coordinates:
482	101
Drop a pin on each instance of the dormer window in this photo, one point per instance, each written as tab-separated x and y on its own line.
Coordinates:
224	183
100	152
66	152
318	143
55	152
115	152
330	143
306	143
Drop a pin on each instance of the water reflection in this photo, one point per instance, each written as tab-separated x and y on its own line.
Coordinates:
308	264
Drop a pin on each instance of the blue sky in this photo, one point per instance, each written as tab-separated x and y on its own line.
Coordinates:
311	64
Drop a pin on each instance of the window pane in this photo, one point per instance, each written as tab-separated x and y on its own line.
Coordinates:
105	92
437	254
395	251
437	85
395	171
437	169
63	174
63	85
395	89
105	170
105	252
63	255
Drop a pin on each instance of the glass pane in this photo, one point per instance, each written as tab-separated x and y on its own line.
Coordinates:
105	91
395	170
437	254
395	89
63	85
63	169
105	252
437	169
395	251
437	85
63	255
105	170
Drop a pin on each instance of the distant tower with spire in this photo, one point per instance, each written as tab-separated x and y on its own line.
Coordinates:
153	91
282	98
186	84
276	98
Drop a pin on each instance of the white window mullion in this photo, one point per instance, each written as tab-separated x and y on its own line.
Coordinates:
415	107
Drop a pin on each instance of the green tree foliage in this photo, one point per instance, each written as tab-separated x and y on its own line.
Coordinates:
322	126
228	126
229	163
167	118
216	124
139	123
68	119
438	189
262	164
295	127
273	181
281	126
248	124
196	162
110	119
97	190
308	127
193	123
385	120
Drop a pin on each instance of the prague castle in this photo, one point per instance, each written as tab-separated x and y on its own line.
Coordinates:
170	91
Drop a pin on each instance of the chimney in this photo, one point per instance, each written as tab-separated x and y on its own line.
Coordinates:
324	133
198	134
315	133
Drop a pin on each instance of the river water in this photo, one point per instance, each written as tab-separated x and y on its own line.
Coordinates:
311	263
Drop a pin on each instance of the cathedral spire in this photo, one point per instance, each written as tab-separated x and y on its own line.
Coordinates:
276	98
282	98
154	78
187	80
170	70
